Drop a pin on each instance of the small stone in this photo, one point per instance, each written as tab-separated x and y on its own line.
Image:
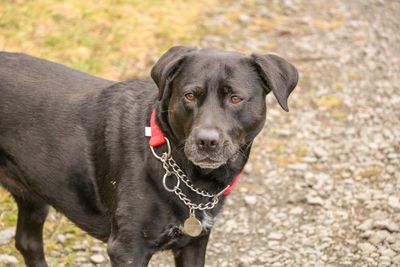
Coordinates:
7	235
366	225
387	224
282	132
367	234
248	168
396	246
55	254
366	248
387	252
246	260
96	249
296	211
374	255
250	200
80	259
244	18
61	238
296	197
396	260
69	236
78	247
8	259
313	199
321	180
81	253
378	237
394	202
275	236
391	239
379	215
231	225
309	159
384	261
298	166
309	179
320	152
97	258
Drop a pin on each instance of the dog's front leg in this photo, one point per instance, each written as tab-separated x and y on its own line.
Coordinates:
126	250
194	254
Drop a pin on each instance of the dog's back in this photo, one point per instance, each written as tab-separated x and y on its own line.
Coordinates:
29	86
18	68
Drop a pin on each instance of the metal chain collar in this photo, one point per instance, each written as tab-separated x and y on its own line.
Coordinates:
171	168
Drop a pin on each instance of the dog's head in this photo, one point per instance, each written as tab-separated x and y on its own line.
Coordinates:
216	99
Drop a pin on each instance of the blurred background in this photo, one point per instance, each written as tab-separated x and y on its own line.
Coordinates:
322	187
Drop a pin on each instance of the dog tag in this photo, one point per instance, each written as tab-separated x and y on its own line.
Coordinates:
192	226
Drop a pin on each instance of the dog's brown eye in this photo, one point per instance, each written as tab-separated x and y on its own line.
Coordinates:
189	96
235	99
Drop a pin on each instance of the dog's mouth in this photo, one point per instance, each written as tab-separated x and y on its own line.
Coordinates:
210	160
208	163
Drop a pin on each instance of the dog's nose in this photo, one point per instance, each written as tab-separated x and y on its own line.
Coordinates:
207	139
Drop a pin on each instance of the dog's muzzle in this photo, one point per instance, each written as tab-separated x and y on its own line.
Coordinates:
208	151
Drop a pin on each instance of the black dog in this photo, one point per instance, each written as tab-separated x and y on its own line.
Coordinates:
77	143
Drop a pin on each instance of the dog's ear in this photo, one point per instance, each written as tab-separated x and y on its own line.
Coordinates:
278	75
163	72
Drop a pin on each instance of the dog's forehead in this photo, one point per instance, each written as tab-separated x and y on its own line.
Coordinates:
208	63
219	53
212	57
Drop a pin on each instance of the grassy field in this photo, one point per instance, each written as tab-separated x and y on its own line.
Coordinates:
114	39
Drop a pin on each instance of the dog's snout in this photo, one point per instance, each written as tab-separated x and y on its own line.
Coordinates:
207	139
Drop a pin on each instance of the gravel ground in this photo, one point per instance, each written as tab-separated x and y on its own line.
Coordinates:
323	185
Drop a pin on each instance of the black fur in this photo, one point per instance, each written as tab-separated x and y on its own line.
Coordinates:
76	142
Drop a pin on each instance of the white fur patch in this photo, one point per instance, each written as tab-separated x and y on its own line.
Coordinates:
208	221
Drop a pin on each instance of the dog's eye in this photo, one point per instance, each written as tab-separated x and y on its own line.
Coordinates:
235	99
190	96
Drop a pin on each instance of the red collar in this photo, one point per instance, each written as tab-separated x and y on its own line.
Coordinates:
157	136
157	139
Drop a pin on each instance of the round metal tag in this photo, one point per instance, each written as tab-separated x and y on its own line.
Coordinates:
192	226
